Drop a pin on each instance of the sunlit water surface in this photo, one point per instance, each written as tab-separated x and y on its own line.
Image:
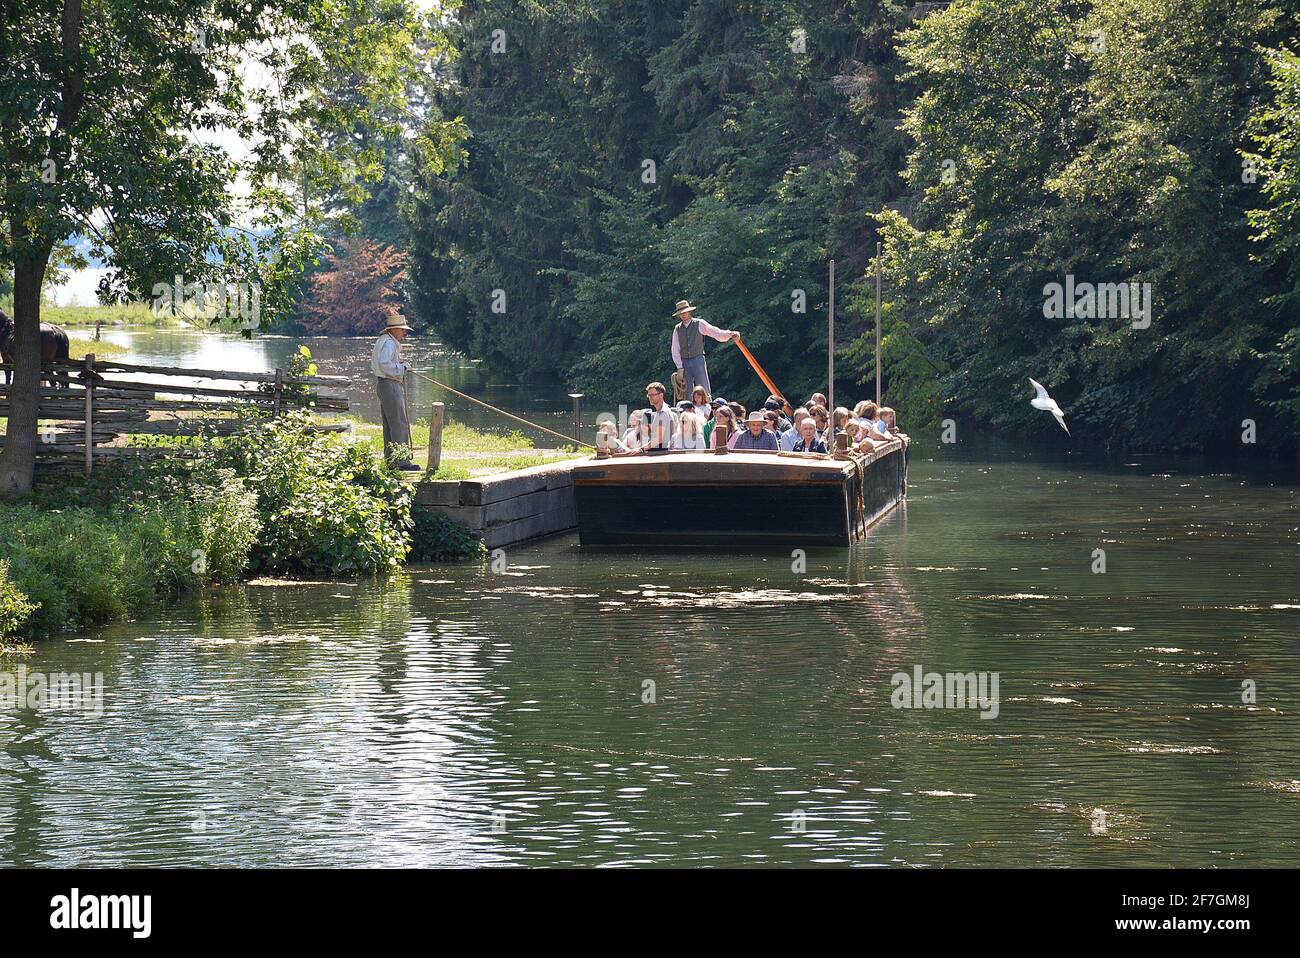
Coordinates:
461	716
350	357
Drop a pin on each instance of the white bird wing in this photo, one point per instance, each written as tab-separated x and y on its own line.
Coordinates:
1060	417
1042	393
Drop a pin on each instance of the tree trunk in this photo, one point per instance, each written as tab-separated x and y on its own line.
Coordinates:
18	460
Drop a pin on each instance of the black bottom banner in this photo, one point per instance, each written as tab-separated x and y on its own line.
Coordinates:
333	907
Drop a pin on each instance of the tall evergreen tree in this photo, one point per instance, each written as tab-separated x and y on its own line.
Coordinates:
623	158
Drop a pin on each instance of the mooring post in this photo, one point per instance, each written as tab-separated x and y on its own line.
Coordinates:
279	389
722	439
90	413
436	416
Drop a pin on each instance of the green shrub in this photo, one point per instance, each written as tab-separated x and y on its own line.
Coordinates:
302	500
325	505
222	519
436	537
279	498
15	609
81	567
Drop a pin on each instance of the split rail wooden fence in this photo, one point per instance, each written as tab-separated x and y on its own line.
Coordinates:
89	406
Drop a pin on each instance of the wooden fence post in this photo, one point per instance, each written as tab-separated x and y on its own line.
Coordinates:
435	436
279	390
90	413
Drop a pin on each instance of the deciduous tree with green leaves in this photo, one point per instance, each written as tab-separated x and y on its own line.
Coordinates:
119	120
1099	141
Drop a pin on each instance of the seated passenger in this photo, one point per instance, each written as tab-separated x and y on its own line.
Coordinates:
809	441
633	438
660	420
864	438
723	416
681	409
690	432
821	417
700	401
870	414
788	438
841	423
774	404
889	418
711	420
757	435
607	438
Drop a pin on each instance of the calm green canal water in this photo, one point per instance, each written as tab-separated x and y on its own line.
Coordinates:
466	716
461	716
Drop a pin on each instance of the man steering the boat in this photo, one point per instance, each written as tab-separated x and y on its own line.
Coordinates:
688	346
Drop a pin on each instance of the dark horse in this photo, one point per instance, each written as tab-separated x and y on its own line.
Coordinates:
54	348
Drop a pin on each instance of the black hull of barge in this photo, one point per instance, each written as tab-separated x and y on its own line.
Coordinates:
733	500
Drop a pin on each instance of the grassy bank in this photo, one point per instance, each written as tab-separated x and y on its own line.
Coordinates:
279	499
129	314
78	348
470	453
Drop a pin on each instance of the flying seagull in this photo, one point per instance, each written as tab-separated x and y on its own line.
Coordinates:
1044	401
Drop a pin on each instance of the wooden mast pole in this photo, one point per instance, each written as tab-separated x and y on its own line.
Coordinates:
878	400
830	357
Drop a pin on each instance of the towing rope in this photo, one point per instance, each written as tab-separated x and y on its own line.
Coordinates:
485	405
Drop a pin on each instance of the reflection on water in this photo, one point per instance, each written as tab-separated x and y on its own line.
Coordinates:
463	717
548	405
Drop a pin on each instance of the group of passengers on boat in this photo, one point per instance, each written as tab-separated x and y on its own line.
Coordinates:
701	421
694	424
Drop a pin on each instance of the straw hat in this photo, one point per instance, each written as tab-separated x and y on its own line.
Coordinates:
683	306
756	417
395	322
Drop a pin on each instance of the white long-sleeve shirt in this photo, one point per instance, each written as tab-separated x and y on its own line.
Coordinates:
386	360
708	329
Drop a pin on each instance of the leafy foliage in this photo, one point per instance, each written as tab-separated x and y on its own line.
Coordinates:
279	498
325	505
693	148
1275	126
1099	141
81	566
15	609
438	538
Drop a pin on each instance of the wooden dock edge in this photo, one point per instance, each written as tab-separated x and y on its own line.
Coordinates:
508	509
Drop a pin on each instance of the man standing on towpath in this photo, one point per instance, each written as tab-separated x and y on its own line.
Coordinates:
390	382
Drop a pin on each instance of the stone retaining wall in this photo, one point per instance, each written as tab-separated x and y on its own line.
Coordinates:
507	509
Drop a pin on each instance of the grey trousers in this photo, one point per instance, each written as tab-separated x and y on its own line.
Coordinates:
392	403
696	371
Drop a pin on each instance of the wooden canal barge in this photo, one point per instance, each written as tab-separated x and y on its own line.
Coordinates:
736	498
